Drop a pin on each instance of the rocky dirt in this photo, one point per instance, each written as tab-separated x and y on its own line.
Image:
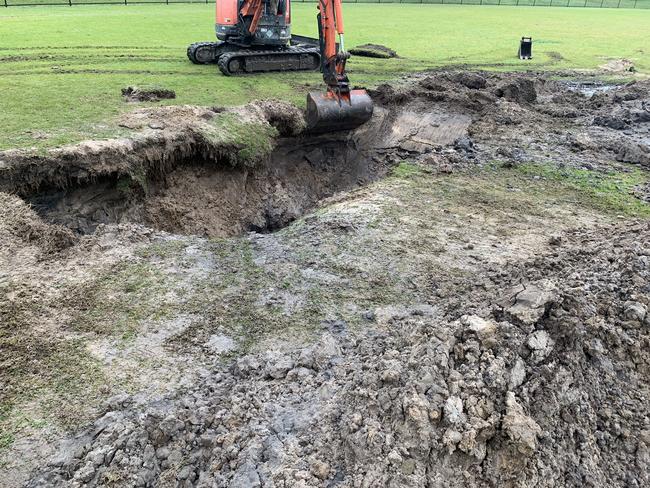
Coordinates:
546	387
455	294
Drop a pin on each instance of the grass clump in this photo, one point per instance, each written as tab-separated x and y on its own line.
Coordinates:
164	250
252	142
406	170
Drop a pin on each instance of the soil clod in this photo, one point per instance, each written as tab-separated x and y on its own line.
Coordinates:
137	94
373	51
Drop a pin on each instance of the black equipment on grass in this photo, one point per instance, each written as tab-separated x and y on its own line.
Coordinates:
526	48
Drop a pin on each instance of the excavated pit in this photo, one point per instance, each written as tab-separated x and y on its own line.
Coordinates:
180	173
180	184
213	198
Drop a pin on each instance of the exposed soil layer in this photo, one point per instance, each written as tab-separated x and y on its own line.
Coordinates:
472	320
215	199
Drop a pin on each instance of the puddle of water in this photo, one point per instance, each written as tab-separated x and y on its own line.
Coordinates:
589	88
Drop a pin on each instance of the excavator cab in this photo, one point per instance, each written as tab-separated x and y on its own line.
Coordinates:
254	22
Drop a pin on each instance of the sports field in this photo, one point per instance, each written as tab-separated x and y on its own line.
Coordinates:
62	69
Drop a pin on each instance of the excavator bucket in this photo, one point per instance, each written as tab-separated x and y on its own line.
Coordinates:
328	113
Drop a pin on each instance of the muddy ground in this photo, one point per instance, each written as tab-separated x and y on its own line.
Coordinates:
456	294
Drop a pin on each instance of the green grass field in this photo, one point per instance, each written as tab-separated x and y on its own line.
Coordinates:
62	68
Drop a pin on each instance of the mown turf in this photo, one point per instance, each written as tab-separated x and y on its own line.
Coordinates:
62	68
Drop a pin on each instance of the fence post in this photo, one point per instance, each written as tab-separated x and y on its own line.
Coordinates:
70	2
8	5
619	4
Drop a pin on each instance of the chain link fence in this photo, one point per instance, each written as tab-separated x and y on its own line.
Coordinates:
645	4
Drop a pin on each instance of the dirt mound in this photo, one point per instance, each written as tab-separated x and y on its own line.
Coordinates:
520	91
20	226
532	391
154	94
618	66
470	80
374	51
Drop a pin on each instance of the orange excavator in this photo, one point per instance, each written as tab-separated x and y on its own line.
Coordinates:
255	36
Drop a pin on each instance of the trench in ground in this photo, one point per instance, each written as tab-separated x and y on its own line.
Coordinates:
213	198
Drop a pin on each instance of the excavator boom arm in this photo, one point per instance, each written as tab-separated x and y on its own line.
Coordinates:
339	108
254	8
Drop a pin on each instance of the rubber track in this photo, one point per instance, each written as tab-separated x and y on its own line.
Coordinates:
227	57
192	48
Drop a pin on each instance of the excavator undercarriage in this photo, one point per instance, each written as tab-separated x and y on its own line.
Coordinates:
233	59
